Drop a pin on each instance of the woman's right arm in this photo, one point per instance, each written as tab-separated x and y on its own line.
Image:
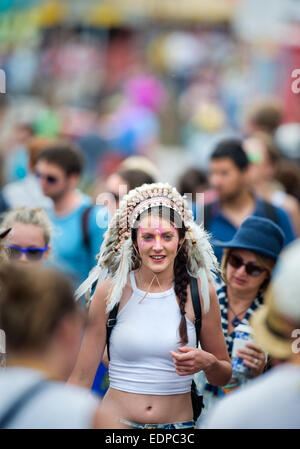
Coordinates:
94	340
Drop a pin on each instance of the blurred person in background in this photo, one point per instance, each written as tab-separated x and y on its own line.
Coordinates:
132	125
263	116
3	254
192	182
287	138
289	176
27	192
229	177
77	231
16	159
29	239
43	327
247	267
273	400
264	160
3	203
131	173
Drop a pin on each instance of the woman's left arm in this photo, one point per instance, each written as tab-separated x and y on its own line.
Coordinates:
213	356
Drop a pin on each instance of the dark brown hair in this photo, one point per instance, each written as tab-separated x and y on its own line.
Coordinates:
33	301
65	155
266	115
135	177
181	276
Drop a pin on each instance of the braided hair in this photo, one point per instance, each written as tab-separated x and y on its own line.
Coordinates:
182	278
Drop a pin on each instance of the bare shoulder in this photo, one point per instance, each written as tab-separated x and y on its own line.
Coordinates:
291	204
98	303
103	289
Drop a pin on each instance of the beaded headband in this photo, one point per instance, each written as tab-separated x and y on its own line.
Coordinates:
115	259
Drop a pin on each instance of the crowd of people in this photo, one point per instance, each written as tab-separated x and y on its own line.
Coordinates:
124	299
167	281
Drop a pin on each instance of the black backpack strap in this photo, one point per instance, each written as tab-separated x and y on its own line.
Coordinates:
270	211
197	399
112	319
208	214
197	306
84	227
20	402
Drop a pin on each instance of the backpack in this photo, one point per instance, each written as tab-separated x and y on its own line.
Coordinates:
84	227
197	400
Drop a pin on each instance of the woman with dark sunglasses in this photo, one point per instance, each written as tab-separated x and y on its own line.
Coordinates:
30	235
247	265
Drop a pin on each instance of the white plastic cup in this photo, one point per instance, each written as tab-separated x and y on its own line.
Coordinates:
243	335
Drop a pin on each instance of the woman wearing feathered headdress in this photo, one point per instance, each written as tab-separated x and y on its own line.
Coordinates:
150	253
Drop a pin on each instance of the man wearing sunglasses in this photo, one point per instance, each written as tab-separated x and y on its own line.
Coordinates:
77	235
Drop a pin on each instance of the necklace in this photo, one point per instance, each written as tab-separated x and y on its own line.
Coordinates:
236	321
148	289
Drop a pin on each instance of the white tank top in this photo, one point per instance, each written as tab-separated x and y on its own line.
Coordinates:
141	341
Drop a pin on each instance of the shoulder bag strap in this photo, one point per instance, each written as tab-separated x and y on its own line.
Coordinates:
270	211
84	226
197	306
112	319
20	402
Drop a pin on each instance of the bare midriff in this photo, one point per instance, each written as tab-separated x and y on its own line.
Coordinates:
148	409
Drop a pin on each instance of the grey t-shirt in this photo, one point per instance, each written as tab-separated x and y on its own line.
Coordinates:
57	406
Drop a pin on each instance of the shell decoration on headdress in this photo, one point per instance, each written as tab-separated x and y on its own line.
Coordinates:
115	259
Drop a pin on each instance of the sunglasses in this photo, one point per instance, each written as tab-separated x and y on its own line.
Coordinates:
250	267
49	178
32	254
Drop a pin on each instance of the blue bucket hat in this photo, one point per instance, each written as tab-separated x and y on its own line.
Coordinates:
259	235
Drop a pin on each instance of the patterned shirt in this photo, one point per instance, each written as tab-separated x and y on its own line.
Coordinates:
229	338
223	300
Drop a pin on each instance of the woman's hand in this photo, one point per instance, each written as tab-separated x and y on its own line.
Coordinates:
191	360
254	358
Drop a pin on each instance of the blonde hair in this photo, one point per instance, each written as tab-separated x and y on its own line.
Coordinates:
33	301
263	261
3	256
27	215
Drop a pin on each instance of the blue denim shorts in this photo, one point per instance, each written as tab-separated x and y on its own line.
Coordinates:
175	425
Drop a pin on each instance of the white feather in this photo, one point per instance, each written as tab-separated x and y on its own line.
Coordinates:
201	254
204	289
97	273
120	277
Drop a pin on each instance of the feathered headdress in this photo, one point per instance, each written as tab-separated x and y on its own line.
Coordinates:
116	256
